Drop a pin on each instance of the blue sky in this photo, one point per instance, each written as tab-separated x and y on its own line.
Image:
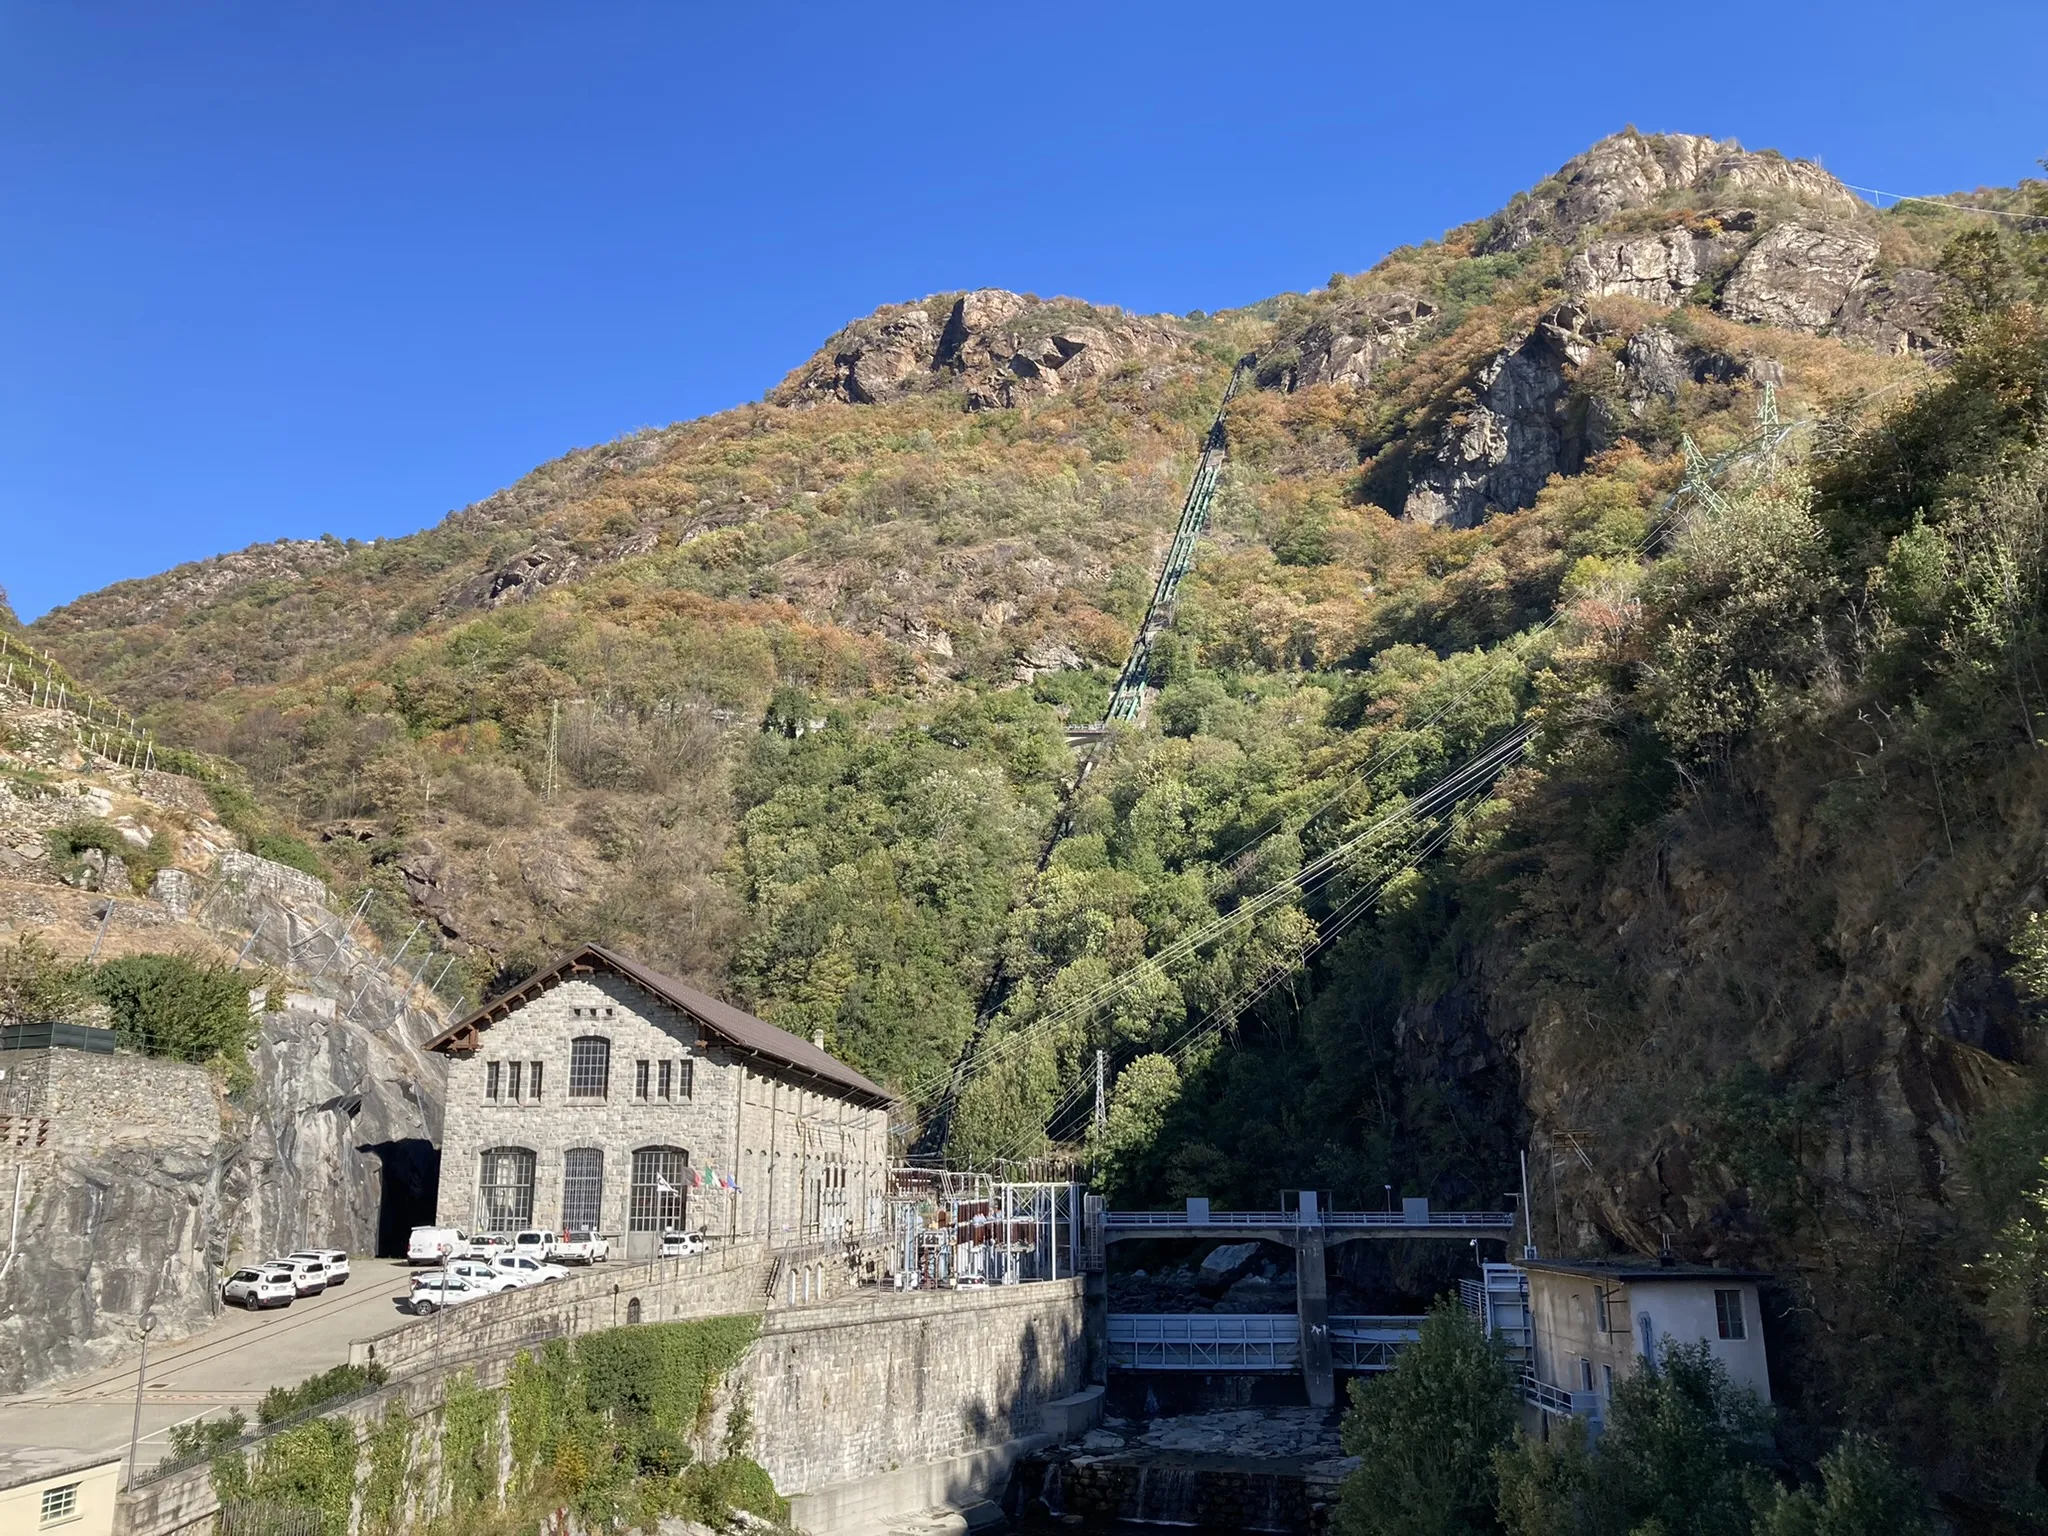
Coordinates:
274	270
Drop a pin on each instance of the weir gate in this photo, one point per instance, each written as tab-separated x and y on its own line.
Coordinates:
1309	1340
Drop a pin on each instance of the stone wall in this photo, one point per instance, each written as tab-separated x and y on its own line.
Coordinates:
119	1209
715	1284
796	1152
267	877
883	1380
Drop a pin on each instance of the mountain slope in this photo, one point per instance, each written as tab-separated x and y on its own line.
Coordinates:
776	699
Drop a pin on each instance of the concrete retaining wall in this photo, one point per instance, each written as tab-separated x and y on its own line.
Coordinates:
715	1284
886	1402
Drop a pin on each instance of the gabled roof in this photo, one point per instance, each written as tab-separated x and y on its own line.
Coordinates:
729	1025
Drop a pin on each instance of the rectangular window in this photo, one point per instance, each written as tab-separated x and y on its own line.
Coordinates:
639	1079
60	1503
533	1079
1607	1379
1585	1375
506	1188
668	1078
515	1075
685	1077
656	1200
1600	1309
582	1189
590	1067
1728	1313
491	1080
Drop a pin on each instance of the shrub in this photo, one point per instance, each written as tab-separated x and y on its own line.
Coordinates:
343	1381
37	985
203	1439
178	1008
69	843
1426	1434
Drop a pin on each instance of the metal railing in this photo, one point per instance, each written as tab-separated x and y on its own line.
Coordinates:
1502	1220
1196	1341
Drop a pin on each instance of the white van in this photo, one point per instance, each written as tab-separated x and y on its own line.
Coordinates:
430	1245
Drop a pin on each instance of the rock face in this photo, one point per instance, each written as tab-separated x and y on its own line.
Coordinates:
140	1178
1498	454
1003	348
1349	344
1632	170
1891	311
1660	268
1798	277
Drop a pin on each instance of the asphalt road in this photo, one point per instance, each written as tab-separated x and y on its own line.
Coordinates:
229	1365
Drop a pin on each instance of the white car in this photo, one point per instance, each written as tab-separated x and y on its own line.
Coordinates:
534	1244
308	1274
430	1245
260	1287
683	1245
334	1258
525	1271
430	1293
475	1271
582	1248
488	1245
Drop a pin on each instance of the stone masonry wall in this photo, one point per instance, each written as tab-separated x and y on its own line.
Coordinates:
808	1132
884	1380
119	1209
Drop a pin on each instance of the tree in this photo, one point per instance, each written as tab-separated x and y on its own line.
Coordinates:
1680	1457
1426	1434
1863	1492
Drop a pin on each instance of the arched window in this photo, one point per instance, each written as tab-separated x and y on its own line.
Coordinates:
582	1189
590	1067
505	1189
660	1175
633	1310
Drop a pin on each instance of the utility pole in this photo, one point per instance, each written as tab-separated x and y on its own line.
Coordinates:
1101	1096
554	730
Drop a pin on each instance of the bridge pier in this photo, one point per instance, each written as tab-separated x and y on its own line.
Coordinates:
1312	1306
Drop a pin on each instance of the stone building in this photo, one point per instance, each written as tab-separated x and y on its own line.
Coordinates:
601	1095
1595	1321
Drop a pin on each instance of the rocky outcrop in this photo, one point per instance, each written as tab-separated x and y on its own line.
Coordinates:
1660	268
1497	454
138	1179
1001	348
1349	343
1798	277
1891	310
1632	170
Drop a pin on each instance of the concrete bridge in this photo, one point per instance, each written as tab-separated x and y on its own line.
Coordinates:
1312	1341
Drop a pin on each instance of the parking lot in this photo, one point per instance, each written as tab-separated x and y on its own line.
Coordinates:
230	1364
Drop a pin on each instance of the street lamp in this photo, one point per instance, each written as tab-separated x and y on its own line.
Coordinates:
1390	1197
141	1371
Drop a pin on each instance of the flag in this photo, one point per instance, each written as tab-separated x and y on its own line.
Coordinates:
662	1186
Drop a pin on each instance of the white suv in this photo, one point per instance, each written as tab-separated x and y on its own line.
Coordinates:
475	1271
335	1260
261	1287
430	1293
525	1271
308	1274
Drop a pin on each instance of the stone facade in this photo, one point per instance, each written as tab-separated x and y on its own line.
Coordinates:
809	1164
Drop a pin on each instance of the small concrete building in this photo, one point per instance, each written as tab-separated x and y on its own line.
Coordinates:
1594	1321
601	1095
58	1490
